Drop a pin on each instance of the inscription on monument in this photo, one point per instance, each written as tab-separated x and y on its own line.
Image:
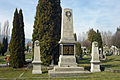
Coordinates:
68	49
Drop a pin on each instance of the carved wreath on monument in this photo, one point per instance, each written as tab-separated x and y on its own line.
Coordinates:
68	14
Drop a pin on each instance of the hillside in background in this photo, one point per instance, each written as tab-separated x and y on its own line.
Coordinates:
26	39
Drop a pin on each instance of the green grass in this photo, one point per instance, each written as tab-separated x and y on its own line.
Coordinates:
112	62
10	72
28	55
28	73
2	60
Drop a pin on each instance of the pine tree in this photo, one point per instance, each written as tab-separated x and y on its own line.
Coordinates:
47	28
95	36
5	45
15	48
22	35
91	37
99	39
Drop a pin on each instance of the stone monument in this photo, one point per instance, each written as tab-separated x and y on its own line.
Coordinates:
67	41
95	62
37	60
67	61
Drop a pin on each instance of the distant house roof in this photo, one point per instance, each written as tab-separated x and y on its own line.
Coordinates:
29	44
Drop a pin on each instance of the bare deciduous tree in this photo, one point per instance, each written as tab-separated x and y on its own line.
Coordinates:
86	43
82	36
116	39
106	38
6	29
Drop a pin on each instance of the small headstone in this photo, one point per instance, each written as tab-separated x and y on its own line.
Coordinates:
95	62
100	53
37	60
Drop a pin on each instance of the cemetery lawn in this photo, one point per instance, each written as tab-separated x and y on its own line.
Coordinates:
112	62
2	60
28	55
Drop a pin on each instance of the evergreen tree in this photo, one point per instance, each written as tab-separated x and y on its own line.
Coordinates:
47	28
78	50
15	48
22	35
95	36
1	48
5	45
92	37
99	39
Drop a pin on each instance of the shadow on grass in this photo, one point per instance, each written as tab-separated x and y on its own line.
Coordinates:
107	60
44	70
102	68
84	61
111	65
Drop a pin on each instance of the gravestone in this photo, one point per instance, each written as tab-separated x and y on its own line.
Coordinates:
67	61
101	54
95	62
37	60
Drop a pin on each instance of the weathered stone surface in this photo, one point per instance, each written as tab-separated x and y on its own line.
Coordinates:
68	68
53	73
95	62
67	41
37	60
67	61
67	34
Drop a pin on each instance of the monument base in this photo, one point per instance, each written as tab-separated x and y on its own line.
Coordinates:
67	71
36	67
95	67
36	72
67	61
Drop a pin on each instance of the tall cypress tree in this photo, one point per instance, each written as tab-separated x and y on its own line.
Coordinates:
15	48
5	45
47	28
99	39
22	35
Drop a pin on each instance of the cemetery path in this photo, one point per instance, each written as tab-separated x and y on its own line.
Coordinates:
21	75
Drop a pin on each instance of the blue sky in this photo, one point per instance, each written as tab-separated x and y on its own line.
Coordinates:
98	14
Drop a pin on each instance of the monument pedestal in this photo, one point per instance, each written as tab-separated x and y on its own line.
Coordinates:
67	61
95	66
36	67
67	71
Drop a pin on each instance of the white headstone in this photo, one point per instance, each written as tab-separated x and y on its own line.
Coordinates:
95	62
37	60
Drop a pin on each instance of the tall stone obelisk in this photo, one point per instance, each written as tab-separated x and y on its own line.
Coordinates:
67	41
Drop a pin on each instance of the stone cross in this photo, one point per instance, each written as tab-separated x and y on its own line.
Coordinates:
37	60
95	62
